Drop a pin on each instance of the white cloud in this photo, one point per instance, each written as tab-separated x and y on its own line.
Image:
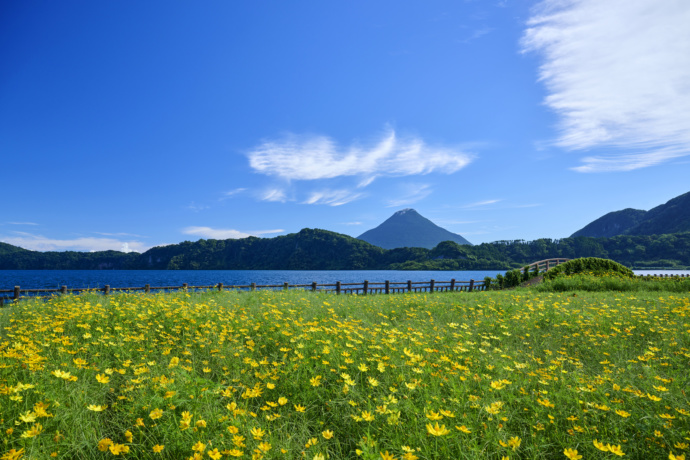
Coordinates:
411	193
233	192
318	157
22	223
41	243
223	233
480	204
332	197
274	194
350	223
618	75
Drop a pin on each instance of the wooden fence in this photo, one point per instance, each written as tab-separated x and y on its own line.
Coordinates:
365	288
544	265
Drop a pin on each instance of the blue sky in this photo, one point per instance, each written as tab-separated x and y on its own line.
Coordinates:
126	125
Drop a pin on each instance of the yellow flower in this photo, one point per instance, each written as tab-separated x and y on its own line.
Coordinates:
233	429
102	378
282	401
174	361
158	448
117	449
199	446
600	445
13	454
270	386
35	430
433	415
315	381
368	416
437	430
214	454
623	413
200	424
264	446
156	414
128	436
463	428
103	444
298	407
28	417
96	408
386	456
328	434
257	433
572	454
675	457
615	450
319	457
233	452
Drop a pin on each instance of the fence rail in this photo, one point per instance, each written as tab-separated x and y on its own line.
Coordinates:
544	265
365	288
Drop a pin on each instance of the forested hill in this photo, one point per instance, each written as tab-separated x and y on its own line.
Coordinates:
670	217
314	249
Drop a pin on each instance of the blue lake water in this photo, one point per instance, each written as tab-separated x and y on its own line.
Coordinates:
76	279
54	279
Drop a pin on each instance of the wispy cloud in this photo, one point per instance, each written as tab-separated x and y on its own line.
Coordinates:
231	193
350	223
478	33
42	243
273	194
197	207
225	233
318	157
21	223
480	204
410	194
120	234
332	197
617	75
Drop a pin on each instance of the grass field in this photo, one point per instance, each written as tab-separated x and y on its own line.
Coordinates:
511	374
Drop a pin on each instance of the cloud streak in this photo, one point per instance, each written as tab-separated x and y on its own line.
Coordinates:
617	74
318	157
332	197
224	233
42	243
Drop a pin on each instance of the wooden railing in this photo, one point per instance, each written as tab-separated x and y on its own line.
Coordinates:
365	288
544	265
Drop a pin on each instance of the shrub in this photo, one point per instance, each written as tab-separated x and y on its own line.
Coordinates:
590	265
513	278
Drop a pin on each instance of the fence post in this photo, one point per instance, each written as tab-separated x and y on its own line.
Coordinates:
147	288
452	284
431	286
313	286
409	285
63	290
337	287
184	287
286	286
388	287
471	286
106	289
253	287
16	293
2	302
366	286
220	287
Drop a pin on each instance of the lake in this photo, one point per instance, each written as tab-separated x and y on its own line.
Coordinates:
54	279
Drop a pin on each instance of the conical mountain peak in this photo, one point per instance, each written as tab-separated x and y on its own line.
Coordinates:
408	228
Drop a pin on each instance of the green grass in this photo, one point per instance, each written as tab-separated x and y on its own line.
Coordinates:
525	374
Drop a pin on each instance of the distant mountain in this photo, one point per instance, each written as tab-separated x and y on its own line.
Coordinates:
612	224
407	228
670	217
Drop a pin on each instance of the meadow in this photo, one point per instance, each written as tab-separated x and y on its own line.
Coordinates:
515	374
